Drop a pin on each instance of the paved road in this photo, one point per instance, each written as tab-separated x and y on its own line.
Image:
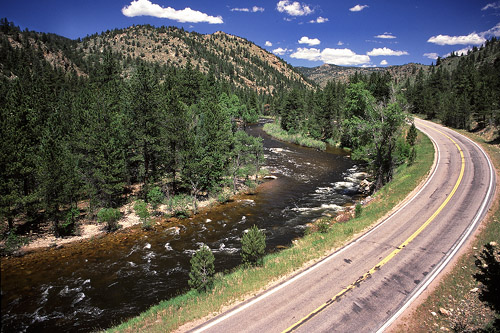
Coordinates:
361	287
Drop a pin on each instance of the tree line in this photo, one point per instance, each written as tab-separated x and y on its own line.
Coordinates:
462	92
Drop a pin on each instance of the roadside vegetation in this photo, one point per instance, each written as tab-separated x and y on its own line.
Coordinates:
244	281
461	301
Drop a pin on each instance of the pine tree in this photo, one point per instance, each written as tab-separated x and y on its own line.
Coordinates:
201	276
253	246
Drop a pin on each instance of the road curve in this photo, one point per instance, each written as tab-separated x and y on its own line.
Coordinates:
364	286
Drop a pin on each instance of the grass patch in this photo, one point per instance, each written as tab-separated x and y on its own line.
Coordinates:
456	291
274	130
244	282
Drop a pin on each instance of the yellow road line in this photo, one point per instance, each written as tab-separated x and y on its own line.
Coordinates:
393	253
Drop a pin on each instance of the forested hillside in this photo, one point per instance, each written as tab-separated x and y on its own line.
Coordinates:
228	57
462	92
78	129
327	72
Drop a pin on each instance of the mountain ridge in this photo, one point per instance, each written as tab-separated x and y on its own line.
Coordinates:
322	74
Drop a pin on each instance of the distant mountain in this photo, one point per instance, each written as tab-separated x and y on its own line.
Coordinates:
324	73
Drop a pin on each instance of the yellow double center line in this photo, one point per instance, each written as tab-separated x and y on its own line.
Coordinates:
393	253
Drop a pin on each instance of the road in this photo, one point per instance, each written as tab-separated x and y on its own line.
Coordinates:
365	285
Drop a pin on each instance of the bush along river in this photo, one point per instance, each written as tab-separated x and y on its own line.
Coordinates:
98	283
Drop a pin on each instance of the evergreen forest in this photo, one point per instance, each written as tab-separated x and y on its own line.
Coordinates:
93	119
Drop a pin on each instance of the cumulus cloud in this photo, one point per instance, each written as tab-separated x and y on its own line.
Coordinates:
147	8
293	8
342	57
340	43
309	41
319	20
384	62
432	55
268	43
460	52
358	8
386	52
473	38
254	9
280	51
385	35
493	5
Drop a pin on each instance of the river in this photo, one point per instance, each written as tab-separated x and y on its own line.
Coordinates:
98	283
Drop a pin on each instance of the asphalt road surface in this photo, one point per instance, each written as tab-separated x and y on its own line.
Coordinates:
365	285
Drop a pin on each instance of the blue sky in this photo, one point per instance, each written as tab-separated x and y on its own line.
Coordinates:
303	33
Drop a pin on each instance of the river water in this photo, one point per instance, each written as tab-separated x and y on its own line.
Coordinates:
99	283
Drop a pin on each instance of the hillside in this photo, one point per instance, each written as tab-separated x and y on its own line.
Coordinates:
229	58
324	73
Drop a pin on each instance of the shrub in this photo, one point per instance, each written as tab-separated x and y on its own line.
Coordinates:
252	186
178	205
67	227
323	226
201	276
223	197
141	209
253	246
488	264
358	210
110	216
13	242
155	197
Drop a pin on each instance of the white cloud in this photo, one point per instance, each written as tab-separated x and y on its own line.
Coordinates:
358	8
293	8
307	54
493	32
254	9
342	57
340	43
494	5
386	52
460	52
309	41
385	35
240	10
280	51
147	8
384	62
320	19
472	38
268	43
432	55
